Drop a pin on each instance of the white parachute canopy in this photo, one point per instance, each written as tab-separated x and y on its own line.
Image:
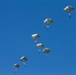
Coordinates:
40	46
69	10
23	59
48	22
35	37
16	66
46	51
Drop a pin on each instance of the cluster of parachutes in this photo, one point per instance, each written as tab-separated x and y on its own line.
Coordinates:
40	46
23	59
36	37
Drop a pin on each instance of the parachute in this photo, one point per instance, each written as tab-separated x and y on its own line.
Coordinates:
46	51
69	10
35	37
23	59
40	46
48	22
16	66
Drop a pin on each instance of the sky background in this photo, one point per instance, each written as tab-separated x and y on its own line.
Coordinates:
19	19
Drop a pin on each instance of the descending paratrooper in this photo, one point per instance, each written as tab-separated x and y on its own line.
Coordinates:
35	37
23	59
48	22
69	10
40	46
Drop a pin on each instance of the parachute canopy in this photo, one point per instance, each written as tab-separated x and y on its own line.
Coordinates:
46	50
40	45
23	59
69	9
35	37
48	21
16	66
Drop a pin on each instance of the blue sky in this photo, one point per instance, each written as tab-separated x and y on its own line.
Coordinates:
19	19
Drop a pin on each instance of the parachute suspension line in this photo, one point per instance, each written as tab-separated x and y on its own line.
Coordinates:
24	63
39	51
46	56
15	70
69	15
47	27
35	41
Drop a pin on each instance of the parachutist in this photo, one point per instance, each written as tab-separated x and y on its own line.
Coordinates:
47	29
15	71
39	52
46	57
69	16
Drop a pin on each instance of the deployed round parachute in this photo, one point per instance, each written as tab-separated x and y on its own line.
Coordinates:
23	59
46	51
35	37
40	46
48	22
16	66
69	10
